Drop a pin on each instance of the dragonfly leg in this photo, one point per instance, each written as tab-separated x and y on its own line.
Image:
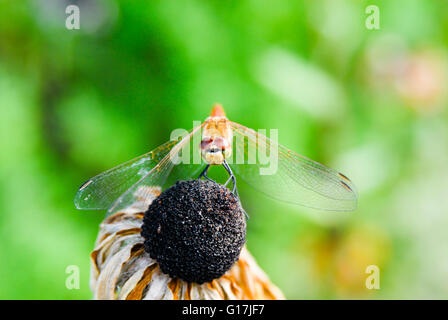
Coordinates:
234	189
204	174
227	182
232	177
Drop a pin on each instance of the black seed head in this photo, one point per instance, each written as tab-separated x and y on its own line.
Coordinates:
195	230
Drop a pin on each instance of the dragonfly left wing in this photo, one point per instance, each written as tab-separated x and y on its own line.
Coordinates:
296	179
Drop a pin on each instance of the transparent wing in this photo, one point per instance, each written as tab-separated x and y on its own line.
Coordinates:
292	178
182	162
101	191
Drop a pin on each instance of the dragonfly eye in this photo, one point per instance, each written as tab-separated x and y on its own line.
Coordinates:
205	143
221	143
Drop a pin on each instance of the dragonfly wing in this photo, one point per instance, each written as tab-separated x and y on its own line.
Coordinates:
183	161
101	191
293	178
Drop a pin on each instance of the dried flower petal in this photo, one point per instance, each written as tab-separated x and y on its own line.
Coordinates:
121	269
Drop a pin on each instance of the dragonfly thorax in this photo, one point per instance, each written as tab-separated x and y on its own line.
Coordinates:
216	140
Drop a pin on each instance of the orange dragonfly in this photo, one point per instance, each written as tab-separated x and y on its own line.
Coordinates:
296	179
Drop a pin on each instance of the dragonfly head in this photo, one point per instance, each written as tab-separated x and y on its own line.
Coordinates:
216	140
215	149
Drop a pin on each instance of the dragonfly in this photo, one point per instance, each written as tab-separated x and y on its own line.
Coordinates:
220	142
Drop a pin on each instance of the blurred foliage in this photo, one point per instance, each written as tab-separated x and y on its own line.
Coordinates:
370	103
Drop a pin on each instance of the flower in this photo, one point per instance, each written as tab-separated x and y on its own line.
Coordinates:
122	269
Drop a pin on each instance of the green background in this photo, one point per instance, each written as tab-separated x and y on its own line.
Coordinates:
369	103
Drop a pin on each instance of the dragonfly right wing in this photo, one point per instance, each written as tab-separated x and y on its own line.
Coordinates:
107	189
102	190
172	166
183	161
